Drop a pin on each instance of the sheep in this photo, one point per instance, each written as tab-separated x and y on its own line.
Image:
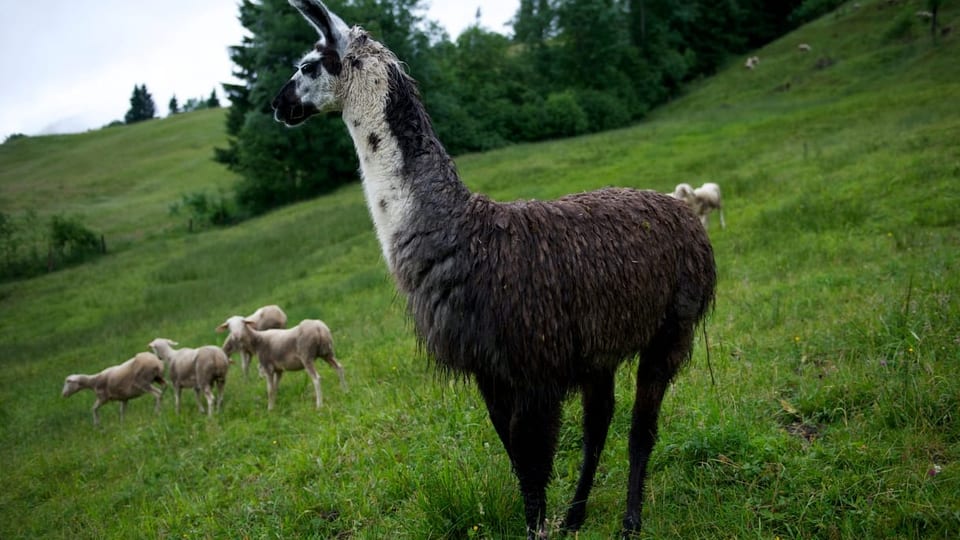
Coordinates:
804	47
702	200
291	349
532	300
752	62
204	369
122	382
264	318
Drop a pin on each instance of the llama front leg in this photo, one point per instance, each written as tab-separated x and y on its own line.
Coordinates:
598	402
533	439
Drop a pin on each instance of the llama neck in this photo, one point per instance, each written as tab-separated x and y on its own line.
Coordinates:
406	171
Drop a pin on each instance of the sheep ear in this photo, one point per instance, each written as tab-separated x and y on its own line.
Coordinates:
221	328
331	28
249	323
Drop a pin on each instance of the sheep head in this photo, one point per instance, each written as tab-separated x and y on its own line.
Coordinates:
161	347
72	385
236	325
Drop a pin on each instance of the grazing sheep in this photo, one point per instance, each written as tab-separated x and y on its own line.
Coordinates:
702	200
752	62
204	369
264	318
804	47
123	382
291	349
533	300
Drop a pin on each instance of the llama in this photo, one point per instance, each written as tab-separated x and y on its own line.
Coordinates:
533	300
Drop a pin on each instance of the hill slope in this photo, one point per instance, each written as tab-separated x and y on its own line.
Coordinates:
834	343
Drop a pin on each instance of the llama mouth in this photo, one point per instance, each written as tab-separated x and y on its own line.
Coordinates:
294	115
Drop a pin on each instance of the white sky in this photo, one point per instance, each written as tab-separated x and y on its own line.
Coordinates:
71	65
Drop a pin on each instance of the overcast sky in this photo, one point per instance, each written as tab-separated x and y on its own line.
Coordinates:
71	65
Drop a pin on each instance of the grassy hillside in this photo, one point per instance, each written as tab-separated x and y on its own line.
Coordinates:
834	344
118	181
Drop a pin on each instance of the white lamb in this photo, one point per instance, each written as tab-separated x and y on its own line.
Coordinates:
204	369
804	47
292	349
752	62
702	200
123	382
264	318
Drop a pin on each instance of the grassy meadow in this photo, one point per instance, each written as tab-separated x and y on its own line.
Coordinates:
829	406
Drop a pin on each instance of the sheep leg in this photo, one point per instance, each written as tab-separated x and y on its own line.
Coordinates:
598	401
220	386
96	413
197	391
311	370
176	397
157	396
533	436
245	360
208	393
273	381
332	360
658	364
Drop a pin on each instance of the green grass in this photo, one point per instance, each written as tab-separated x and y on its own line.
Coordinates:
834	343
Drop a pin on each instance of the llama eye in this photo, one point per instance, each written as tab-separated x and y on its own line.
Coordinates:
310	68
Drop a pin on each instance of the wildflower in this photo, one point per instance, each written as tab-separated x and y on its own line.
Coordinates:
935	470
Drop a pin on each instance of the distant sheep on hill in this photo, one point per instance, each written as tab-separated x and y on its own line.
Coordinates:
264	318
204	370
291	349
122	383
702	200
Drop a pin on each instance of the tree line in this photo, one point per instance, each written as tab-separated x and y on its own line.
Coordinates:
569	67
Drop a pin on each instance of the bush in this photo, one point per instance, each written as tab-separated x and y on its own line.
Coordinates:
604	111
205	210
27	248
563	116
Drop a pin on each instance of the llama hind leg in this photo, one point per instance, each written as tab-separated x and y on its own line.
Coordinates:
658	364
598	402
533	438
499	399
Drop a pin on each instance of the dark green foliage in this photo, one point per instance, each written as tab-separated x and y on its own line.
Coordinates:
14	136
204	210
142	106
572	66
27	248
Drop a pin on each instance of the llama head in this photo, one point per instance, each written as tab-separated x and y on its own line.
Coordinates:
316	86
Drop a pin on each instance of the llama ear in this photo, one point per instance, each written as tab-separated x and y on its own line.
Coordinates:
331	28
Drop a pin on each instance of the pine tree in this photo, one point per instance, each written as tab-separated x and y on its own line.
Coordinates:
142	106
213	102
174	106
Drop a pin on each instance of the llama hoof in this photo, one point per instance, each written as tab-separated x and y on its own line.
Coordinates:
574	520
